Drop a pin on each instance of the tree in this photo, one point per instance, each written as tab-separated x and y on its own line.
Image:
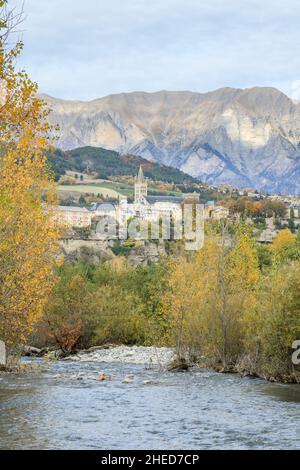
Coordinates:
118	316
276	324
209	296
291	224
274	208
283	241
68	311
179	303
82	200
264	255
28	236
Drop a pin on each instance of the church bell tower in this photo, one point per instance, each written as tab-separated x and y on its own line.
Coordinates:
140	187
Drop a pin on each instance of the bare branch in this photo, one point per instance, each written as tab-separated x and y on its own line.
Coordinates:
11	19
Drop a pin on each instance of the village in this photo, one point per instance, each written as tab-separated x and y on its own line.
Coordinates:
149	208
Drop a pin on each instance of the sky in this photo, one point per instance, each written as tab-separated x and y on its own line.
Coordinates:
86	49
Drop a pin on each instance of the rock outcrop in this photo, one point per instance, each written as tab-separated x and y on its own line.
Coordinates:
146	254
248	138
87	250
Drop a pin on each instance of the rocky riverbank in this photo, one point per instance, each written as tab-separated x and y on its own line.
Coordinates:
149	356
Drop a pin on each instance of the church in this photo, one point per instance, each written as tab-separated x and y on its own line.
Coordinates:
144	207
153	207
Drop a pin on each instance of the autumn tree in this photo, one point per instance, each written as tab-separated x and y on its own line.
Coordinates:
111	302
275	324
274	208
27	234
68	312
209	296
284	246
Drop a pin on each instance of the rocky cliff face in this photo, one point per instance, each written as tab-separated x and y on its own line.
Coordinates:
245	137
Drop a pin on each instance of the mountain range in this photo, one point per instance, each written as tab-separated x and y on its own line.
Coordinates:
243	137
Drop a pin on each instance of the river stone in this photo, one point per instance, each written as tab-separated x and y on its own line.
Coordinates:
127	380
2	354
178	363
31	351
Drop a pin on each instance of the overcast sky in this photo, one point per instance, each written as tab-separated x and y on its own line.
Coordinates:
85	49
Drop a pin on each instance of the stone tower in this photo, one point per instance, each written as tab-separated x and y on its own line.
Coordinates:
140	187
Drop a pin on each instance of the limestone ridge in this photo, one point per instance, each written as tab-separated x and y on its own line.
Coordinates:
247	137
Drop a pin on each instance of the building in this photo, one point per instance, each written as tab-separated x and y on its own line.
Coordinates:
144	207
140	187
148	208
208	208
213	212
153	207
293	212
267	236
219	212
73	216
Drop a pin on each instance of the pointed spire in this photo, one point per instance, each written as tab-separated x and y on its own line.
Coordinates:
140	177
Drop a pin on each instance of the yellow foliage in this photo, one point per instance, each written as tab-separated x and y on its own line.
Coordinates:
118	264
283	240
209	296
27	235
275	323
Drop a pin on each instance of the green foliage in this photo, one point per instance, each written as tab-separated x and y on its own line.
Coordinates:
82	201
291	224
107	163
277	322
118	317
120	249
264	256
260	223
233	305
110	303
229	314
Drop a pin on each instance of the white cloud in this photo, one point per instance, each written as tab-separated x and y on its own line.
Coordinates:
88	49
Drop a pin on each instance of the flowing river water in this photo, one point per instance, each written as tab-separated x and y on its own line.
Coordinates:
66	406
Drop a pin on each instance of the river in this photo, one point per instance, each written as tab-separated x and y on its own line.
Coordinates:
65	406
